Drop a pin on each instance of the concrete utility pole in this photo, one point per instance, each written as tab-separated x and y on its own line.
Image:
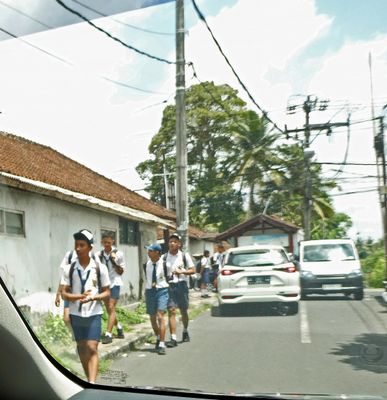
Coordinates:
307	157
382	181
181	134
308	106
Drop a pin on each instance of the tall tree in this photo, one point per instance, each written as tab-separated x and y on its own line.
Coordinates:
212	113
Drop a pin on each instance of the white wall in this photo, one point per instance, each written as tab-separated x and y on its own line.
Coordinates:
30	264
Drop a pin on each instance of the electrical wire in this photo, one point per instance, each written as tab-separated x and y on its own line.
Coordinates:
26	15
37	47
122	84
123	23
128	46
203	18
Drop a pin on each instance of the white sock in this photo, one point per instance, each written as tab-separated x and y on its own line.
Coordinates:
108	334
162	344
173	336
119	326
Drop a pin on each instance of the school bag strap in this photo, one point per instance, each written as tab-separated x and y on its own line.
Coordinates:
97	271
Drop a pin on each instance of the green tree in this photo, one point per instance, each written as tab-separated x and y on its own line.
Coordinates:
215	202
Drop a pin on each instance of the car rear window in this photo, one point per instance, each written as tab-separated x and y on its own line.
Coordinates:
329	252
259	258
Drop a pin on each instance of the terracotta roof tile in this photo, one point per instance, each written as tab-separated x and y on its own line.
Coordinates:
22	157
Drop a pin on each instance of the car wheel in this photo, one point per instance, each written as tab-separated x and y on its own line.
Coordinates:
224	309
359	294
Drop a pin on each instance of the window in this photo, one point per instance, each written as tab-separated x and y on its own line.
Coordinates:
12	222
128	232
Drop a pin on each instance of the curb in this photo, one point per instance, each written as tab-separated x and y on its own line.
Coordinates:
142	332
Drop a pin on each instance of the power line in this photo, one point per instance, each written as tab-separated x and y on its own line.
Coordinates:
203	18
354	192
36	47
128	46
26	15
123	23
348	163
73	65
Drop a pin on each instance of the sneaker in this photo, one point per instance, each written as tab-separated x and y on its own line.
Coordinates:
186	337
172	343
161	351
157	345
120	333
107	339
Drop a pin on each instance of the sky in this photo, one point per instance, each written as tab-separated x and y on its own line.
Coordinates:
63	96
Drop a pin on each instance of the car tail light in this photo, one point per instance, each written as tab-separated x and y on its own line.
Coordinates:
227	272
230	297
289	268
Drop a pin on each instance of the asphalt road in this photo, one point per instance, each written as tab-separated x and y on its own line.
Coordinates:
333	345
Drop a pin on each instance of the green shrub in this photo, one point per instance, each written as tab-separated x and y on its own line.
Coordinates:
54	331
126	318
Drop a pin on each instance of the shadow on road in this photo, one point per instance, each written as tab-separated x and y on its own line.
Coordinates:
366	352
246	310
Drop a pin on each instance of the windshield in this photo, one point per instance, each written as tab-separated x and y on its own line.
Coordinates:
258	258
328	252
162	163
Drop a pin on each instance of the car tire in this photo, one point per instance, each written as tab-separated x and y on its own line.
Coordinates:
224	309
358	294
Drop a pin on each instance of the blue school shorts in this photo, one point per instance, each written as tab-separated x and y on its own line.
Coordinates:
86	328
156	299
115	292
178	295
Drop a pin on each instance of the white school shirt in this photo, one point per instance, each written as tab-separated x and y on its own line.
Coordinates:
65	262
92	307
115	278
161	281
218	258
175	262
205	262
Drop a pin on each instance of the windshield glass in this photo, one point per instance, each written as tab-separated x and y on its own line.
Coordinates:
141	141
328	252
258	258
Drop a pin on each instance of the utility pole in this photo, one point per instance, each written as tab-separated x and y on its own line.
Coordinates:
308	106
181	134
382	182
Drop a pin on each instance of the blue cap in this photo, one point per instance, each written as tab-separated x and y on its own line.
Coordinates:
154	247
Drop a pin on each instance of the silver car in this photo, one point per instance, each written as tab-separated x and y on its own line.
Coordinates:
259	274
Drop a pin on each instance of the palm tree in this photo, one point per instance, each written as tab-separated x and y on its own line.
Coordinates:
253	156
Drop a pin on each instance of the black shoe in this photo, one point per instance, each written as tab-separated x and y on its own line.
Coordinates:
171	343
161	351
186	337
157	345
120	333
107	339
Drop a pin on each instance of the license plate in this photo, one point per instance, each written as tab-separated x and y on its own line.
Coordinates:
332	286
258	280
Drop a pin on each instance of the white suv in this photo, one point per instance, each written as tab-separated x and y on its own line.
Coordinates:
259	274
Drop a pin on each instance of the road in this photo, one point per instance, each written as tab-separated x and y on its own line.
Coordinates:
333	345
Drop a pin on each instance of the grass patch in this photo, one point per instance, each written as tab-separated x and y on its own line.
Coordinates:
127	318
195	312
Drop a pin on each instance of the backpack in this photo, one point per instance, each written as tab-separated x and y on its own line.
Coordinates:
198	266
97	270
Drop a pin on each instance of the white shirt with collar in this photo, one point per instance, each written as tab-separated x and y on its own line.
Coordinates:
90	275
176	262
115	278
161	281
